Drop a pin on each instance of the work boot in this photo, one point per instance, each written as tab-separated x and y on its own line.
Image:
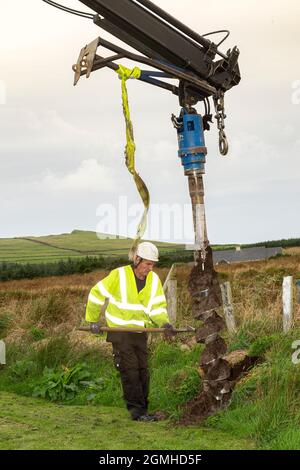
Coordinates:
146	418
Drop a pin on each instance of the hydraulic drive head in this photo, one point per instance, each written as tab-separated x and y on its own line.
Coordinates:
192	152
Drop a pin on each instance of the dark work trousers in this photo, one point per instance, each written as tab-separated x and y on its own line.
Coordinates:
131	360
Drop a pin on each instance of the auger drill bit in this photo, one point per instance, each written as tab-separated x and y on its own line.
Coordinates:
196	189
215	371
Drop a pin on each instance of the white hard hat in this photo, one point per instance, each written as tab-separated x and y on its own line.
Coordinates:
148	251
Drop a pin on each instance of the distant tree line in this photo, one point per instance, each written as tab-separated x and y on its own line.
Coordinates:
11	271
284	243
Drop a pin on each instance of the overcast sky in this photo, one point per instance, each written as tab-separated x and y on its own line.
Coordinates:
61	147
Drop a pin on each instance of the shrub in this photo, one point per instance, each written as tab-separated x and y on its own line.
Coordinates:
62	384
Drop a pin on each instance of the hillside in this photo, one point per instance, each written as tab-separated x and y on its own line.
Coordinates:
77	244
80	243
83	251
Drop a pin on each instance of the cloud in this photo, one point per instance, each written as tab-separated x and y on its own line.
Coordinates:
39	129
57	139
90	176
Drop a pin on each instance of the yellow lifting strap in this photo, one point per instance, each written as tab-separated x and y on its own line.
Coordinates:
124	74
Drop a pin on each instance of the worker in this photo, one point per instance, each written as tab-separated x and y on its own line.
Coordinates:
135	300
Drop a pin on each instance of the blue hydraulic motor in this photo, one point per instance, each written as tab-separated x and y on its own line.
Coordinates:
192	152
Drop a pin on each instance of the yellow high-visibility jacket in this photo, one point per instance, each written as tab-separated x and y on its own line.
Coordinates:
127	307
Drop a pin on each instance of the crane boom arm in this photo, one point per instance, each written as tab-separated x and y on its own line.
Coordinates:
157	35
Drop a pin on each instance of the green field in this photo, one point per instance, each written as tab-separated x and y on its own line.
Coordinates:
28	423
77	244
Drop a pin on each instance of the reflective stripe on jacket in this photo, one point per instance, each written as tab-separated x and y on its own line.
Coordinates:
127	307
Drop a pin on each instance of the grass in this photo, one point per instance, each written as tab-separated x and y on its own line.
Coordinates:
292	251
264	412
266	404
77	244
27	423
38	320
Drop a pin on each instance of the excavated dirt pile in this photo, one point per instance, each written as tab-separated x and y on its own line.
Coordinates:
219	373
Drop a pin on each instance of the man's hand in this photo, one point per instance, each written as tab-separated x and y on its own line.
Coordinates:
169	330
95	328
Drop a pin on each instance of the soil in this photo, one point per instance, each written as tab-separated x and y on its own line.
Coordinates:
219	373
